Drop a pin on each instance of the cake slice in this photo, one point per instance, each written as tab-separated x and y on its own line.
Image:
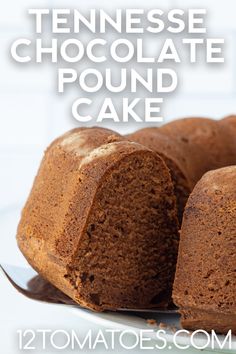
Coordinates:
101	223
205	281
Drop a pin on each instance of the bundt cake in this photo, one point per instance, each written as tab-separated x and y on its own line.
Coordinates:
205	281
100	222
190	147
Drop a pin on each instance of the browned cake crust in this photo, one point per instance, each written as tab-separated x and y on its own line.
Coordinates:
205	281
190	147
100	222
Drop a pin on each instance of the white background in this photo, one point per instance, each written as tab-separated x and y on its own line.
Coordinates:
32	114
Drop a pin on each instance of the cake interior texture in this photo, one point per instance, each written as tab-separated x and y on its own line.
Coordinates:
205	281
134	214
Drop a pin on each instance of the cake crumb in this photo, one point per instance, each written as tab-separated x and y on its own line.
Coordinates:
163	325
152	322
173	329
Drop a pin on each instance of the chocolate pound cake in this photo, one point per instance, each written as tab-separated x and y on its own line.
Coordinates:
100	222
205	281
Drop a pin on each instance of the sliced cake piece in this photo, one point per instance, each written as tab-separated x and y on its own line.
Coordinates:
205	281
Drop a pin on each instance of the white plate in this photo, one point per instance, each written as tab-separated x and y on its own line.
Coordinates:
174	339
135	322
